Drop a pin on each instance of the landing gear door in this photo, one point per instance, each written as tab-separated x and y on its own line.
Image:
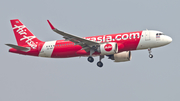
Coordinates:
147	36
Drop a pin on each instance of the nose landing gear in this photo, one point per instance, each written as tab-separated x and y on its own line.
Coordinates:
150	55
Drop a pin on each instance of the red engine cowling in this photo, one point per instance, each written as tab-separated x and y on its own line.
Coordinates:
121	57
108	48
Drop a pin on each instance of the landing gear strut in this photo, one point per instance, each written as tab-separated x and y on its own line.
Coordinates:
100	64
150	55
90	58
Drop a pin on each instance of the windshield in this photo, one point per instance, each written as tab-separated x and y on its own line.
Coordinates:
159	34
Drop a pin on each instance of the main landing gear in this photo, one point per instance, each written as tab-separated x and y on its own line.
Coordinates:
91	59
100	64
150	55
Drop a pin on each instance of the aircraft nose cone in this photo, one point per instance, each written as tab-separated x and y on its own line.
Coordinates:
169	39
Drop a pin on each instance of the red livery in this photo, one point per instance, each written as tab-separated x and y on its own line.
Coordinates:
116	47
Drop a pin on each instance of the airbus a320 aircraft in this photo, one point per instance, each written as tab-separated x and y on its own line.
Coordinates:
116	47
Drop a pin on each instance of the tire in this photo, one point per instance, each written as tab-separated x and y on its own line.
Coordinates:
150	56
99	64
90	59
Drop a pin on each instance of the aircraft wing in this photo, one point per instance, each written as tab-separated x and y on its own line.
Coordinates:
84	43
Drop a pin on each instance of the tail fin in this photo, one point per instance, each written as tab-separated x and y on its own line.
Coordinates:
23	36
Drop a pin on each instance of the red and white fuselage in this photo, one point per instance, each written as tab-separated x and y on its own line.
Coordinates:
74	46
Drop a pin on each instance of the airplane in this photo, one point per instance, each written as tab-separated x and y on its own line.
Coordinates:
116	47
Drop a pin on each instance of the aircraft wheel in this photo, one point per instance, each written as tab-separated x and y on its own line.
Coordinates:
150	55
90	59
99	64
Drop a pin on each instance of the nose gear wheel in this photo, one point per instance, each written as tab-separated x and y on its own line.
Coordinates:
150	55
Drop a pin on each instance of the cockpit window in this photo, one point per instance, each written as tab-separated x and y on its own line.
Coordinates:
159	34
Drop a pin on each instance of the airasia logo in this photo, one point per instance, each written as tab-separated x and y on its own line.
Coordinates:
28	39
108	47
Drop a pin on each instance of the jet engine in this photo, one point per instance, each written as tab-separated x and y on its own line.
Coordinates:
108	48
121	57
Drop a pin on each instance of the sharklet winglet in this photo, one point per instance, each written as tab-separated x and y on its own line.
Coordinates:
52	27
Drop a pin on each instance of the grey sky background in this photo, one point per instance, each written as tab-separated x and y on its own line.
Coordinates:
27	78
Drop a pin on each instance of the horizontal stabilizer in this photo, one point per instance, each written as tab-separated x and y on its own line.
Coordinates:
19	47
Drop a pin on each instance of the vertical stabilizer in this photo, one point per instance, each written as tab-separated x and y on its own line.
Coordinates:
23	36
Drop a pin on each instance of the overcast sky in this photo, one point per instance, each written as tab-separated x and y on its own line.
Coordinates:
27	78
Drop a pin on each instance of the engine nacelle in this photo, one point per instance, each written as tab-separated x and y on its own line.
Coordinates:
108	48
121	57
